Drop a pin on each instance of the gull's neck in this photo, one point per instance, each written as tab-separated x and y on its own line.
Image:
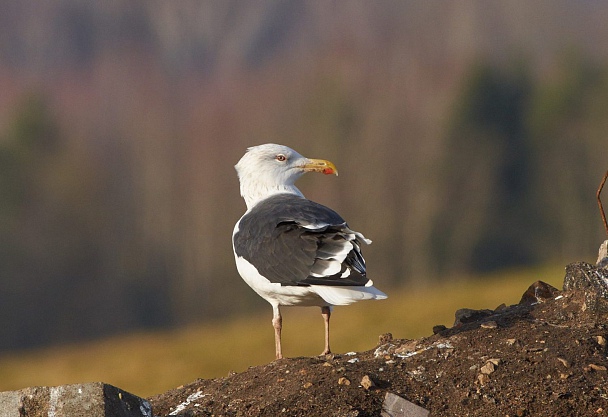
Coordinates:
253	192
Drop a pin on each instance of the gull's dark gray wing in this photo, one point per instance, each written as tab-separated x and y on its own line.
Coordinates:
294	241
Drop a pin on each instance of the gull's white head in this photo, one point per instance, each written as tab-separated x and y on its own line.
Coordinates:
270	169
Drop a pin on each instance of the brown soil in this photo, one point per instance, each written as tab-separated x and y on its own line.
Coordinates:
546	356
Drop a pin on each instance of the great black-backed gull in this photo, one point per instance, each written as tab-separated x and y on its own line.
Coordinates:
290	250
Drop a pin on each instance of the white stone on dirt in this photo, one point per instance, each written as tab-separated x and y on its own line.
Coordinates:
395	406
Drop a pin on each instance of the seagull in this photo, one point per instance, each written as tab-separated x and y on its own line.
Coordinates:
292	251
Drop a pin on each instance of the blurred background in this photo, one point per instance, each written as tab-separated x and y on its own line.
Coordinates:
470	138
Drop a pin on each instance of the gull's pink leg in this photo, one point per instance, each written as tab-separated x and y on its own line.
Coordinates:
326	313
277	323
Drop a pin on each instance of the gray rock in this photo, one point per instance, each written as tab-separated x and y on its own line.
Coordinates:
395	406
83	400
592	281
602	257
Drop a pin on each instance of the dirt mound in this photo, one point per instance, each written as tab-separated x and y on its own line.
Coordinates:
546	355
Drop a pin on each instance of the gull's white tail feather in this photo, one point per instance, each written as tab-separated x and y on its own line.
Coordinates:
339	296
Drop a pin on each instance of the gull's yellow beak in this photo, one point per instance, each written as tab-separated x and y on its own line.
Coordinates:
320	165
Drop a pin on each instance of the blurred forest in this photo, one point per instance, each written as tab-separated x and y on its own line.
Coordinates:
470	136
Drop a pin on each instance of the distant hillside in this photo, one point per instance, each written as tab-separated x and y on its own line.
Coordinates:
234	35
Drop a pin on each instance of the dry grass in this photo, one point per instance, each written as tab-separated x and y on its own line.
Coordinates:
152	362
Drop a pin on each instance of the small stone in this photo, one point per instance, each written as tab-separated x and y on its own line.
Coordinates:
594	367
535	349
564	362
489	399
367	383
501	307
308	385
468	315
439	328
489	325
386	338
601	340
488	368
511	342
538	292
483	379
343	381
494	361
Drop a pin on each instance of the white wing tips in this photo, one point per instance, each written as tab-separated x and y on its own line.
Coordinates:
364	239
348	294
378	295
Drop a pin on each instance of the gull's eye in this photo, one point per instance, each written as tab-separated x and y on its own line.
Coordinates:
280	157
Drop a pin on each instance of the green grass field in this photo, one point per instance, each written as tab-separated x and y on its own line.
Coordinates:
153	362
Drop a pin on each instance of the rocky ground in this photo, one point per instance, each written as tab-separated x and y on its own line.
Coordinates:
546	356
